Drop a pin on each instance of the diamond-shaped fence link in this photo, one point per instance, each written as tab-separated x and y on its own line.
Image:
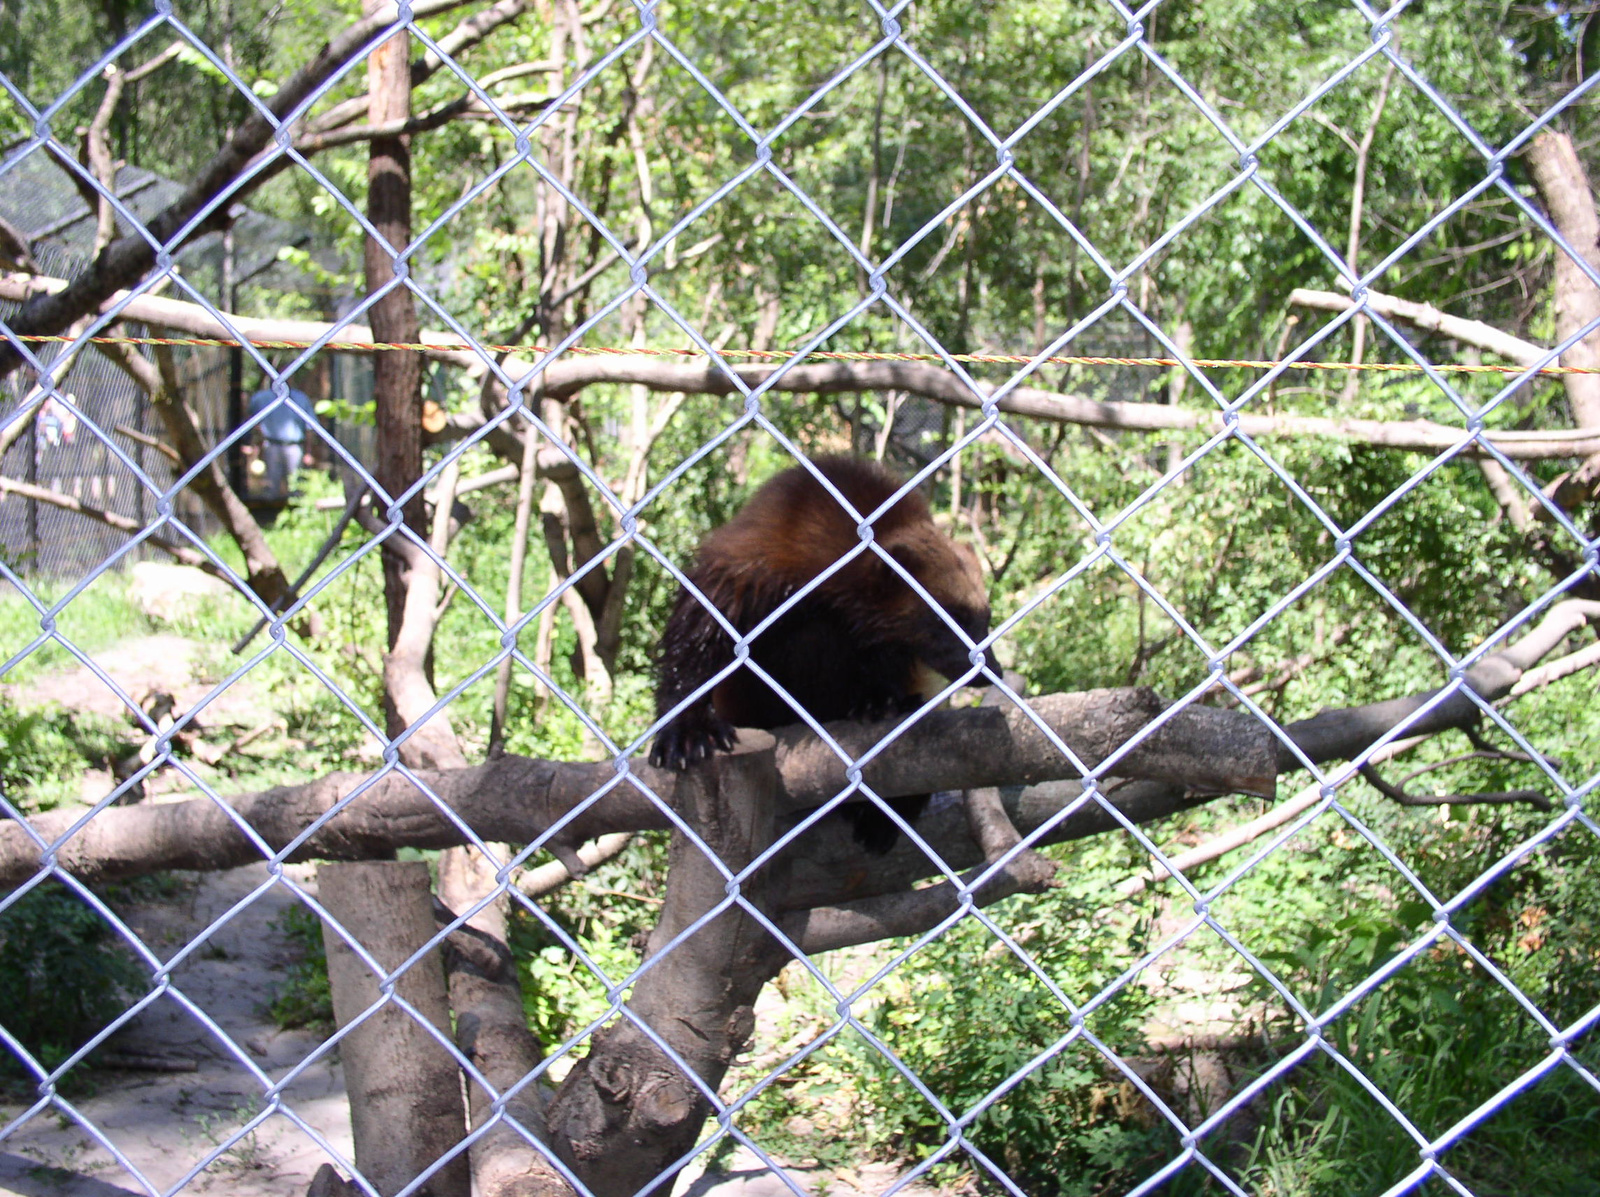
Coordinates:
984	909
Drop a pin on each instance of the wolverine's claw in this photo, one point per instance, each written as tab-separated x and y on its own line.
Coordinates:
691	738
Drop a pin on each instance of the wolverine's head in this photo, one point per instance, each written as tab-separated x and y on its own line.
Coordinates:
950	574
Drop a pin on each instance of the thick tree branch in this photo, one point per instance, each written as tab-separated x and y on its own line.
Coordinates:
111	519
1202	751
433	744
1341	734
1564	187
569	375
510	1160
1429	319
627	1113
1199	753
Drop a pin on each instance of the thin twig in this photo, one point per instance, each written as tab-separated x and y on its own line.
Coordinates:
293	593
1395	793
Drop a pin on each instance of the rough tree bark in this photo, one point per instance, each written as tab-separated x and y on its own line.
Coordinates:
628	1112
405	1099
397	376
492	1033
1564	186
1200	753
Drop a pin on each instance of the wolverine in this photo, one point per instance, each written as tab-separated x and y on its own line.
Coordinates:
861	645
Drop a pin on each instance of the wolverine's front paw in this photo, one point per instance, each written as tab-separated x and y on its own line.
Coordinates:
692	736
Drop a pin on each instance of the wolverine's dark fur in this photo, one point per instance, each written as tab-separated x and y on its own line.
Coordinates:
853	648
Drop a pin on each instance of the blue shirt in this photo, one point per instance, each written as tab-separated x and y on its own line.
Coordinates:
284	423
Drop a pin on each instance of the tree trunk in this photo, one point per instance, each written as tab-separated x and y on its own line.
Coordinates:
397	376
405	1089
492	1032
628	1112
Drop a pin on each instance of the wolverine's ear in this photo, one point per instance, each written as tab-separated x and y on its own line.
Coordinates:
970	557
911	558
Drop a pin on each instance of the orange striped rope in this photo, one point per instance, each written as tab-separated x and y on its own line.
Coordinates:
1005	359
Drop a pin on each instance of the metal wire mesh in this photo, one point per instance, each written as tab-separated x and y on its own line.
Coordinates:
1115	316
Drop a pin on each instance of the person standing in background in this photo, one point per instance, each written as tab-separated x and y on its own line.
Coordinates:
283	435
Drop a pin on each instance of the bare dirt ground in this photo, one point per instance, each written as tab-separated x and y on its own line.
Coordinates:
204	1058
140	665
188	1086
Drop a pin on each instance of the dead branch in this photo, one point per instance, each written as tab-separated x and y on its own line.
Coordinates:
149	442
516	568
464	36
1533	679
492	1032
1201	751
567	376
159	381
122	523
1342	734
1429	319
128	259
547	878
1399	794
1197	754
1237	837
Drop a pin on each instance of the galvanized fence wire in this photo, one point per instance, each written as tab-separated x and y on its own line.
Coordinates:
751	411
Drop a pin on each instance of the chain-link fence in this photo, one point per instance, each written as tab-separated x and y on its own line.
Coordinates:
822	374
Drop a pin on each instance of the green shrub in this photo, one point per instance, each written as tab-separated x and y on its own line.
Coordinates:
304	998
44	752
63	974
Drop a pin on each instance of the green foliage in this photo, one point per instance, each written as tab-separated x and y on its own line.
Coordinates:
608	913
1124	158
63	975
965	1020
96	618
968	1017
43	753
303	998
1438	1039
